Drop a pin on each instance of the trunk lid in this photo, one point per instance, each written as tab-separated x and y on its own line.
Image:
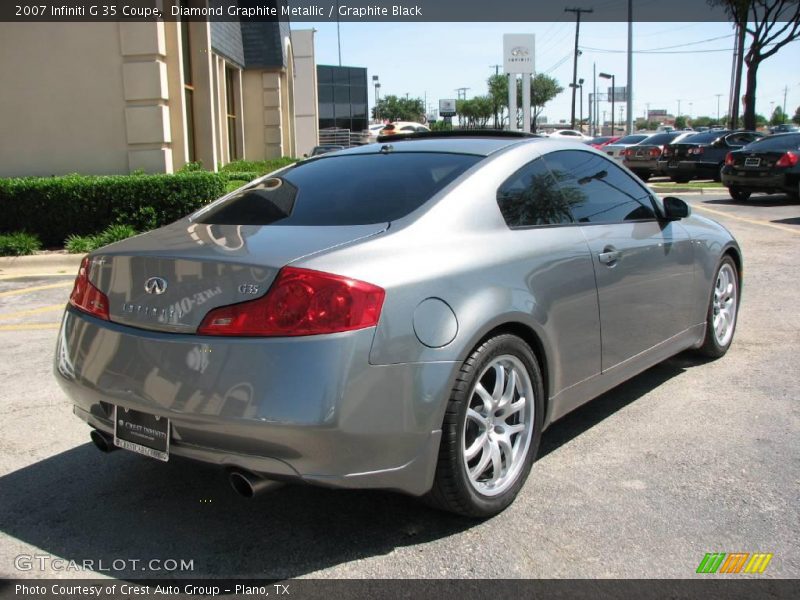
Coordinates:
168	279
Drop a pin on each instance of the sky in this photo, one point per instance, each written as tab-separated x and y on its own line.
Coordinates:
437	58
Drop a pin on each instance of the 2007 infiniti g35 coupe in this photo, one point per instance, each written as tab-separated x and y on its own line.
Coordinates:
408	315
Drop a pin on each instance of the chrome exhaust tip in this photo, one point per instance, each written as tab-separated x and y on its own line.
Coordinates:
250	485
103	441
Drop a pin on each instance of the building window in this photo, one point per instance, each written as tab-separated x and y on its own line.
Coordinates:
188	91
230	104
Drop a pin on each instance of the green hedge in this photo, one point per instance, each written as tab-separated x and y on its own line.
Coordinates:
56	207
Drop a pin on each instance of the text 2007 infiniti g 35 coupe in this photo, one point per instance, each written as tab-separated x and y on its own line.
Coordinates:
408	315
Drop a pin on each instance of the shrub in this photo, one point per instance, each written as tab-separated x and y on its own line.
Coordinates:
260	167
56	207
81	244
19	243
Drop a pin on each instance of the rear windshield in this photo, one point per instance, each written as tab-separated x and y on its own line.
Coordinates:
704	137
631	139
659	139
357	189
789	141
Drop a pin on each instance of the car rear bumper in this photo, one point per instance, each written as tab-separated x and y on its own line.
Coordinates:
306	408
759	181
649	165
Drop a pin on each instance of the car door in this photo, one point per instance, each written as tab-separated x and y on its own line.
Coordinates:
644	267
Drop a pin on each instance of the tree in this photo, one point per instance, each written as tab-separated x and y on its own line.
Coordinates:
476	111
770	25
796	117
498	92
543	89
680	122
777	116
399	109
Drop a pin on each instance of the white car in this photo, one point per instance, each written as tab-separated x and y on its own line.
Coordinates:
616	149
569	134
403	128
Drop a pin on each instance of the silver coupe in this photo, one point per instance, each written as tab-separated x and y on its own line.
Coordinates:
407	315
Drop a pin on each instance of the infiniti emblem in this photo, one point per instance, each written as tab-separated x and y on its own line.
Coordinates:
155	285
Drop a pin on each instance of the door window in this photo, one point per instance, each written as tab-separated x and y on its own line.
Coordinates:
531	197
596	190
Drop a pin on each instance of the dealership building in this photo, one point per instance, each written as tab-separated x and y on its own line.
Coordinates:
117	97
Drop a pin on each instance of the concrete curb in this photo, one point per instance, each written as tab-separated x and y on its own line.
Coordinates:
39	265
687	190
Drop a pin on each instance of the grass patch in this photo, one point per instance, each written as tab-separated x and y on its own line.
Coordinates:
690	184
19	243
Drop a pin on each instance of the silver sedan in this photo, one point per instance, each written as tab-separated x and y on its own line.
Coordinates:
407	315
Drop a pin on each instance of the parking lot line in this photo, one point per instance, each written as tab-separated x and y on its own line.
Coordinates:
32	311
36	288
30	326
746	220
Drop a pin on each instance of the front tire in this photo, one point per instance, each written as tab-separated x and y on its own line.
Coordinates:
723	310
491	429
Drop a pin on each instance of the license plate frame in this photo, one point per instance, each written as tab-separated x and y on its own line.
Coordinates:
141	432
752	161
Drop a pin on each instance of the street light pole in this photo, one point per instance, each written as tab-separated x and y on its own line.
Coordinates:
611	77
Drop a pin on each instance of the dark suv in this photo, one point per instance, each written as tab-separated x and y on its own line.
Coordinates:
701	156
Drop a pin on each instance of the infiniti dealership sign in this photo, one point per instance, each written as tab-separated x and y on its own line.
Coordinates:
518	52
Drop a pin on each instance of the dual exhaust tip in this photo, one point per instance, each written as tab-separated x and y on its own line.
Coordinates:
244	483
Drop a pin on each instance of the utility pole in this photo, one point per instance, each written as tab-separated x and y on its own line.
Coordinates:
679	108
629	90
594	91
462	93
578	12
338	34
785	91
496	68
718	97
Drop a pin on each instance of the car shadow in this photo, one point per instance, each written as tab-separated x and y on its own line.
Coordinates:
590	414
789	221
83	505
757	200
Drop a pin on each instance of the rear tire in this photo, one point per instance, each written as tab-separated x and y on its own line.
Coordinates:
491	429
723	310
738	194
643	175
676	179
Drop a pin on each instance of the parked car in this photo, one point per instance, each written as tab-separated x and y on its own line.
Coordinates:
600	141
770	164
324	149
642	158
702	155
568	134
375	130
616	149
403	128
784	128
408	316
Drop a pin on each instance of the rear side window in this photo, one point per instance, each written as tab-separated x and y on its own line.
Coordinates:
343	190
631	139
531	196
598	191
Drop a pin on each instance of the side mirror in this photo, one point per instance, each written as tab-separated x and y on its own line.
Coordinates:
675	209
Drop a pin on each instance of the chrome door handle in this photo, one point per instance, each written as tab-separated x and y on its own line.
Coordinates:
609	257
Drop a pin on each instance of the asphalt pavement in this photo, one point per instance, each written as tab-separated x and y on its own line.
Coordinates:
688	458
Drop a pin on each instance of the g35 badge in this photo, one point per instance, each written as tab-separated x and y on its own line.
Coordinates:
248	288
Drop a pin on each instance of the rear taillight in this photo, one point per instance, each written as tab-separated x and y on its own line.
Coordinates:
85	296
729	159
300	302
655	152
627	152
667	151
789	159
